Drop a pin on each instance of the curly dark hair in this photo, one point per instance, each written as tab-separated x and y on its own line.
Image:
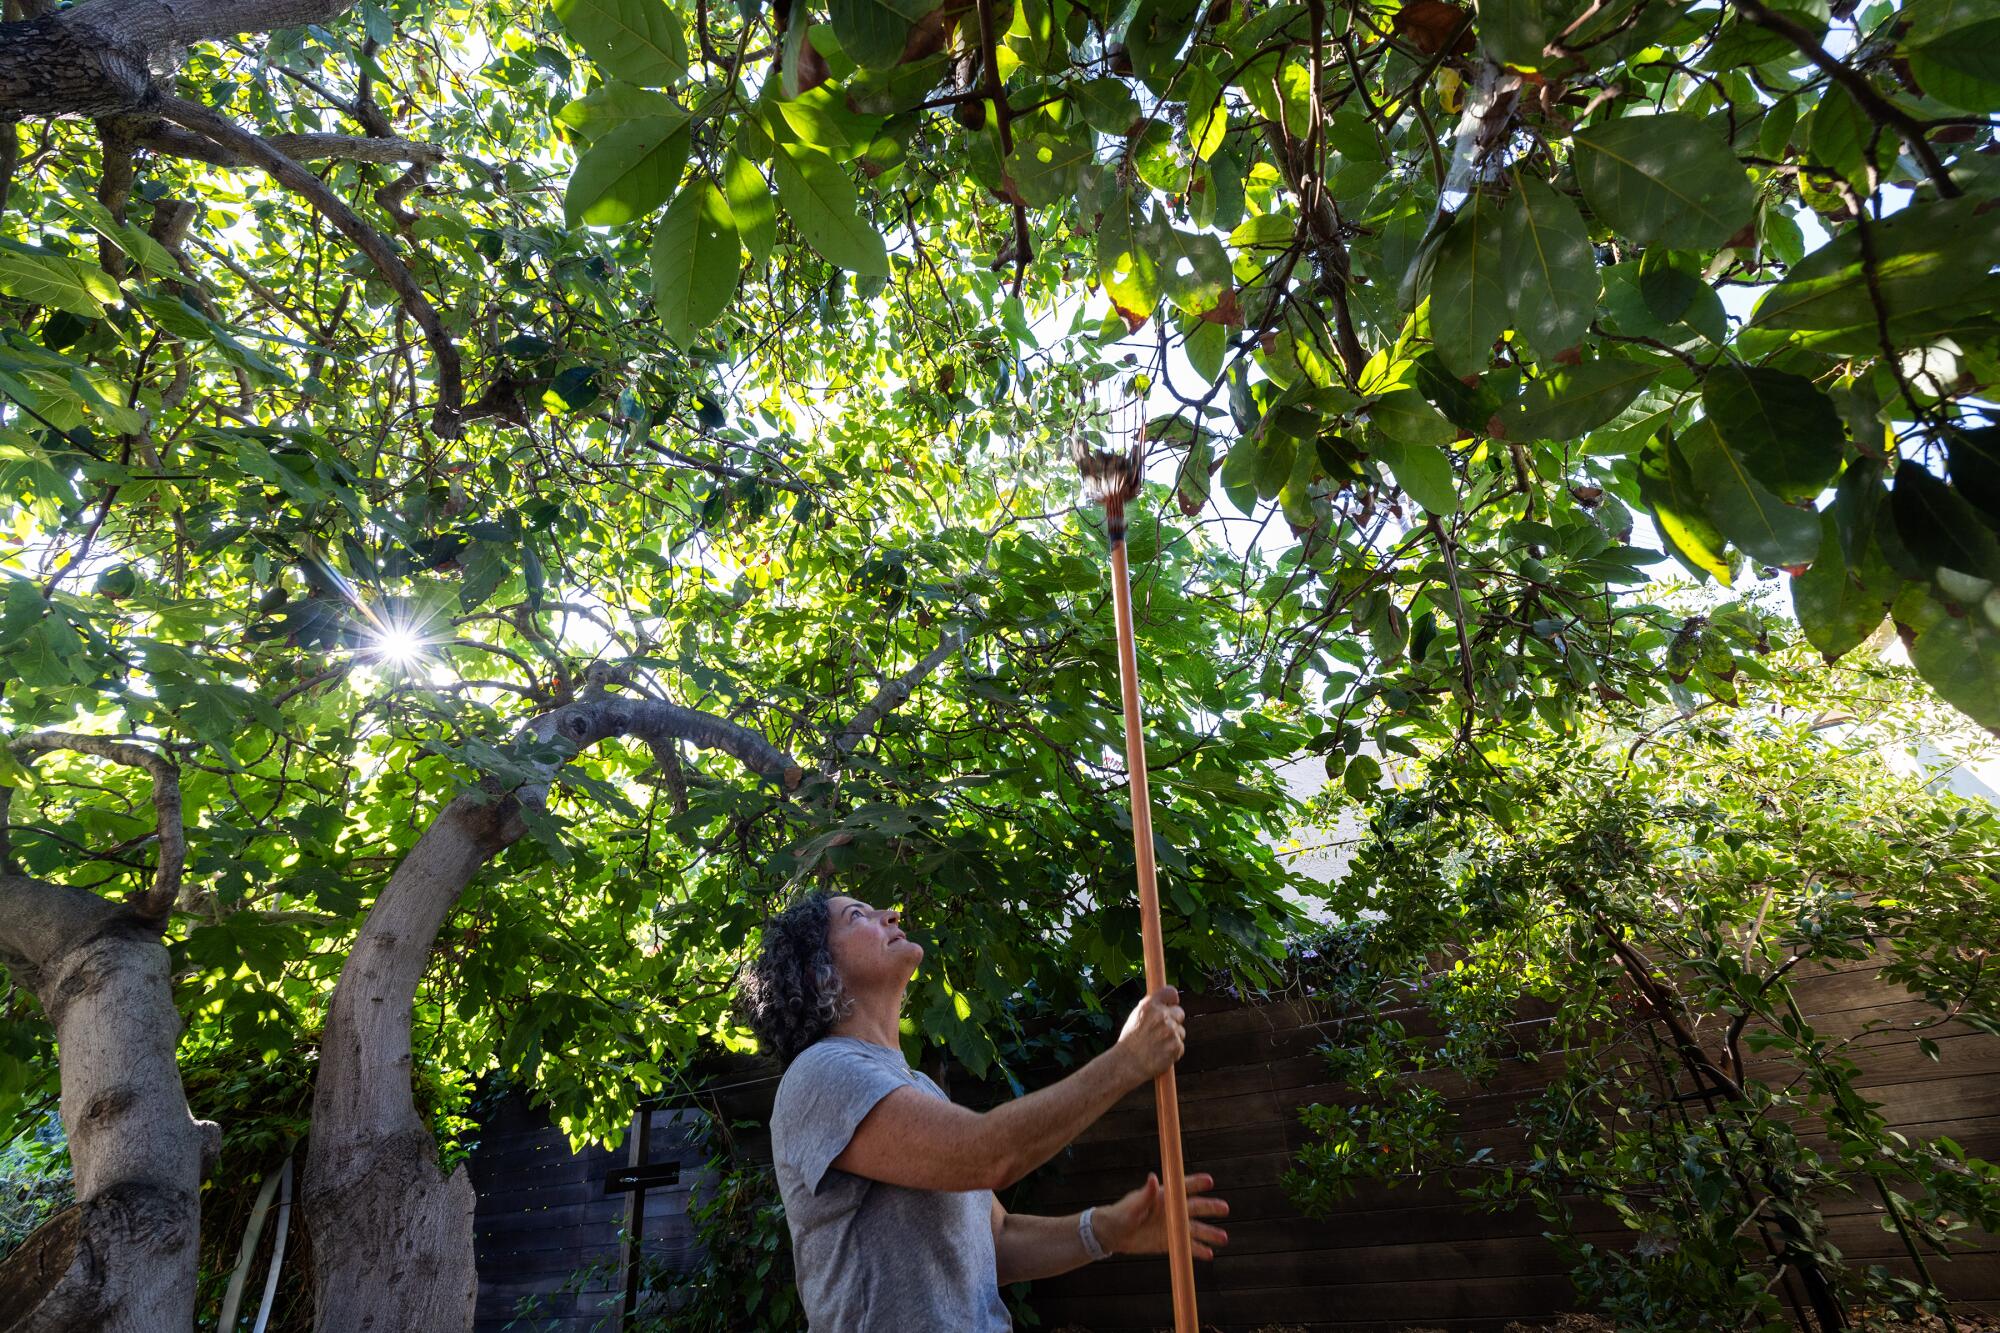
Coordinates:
790	994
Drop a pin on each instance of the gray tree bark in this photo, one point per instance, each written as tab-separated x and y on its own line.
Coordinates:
97	58
122	1260
392	1233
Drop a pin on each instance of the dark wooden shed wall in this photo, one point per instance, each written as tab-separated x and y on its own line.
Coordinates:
547	1232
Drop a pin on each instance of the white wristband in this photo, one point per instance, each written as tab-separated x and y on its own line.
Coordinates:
1084	1232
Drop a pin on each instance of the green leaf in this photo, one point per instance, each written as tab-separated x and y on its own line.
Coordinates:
1207	114
1752	518
1265	231
1191	482
1046	168
1974	463
1470	293
1407	417
1206	346
1107	105
1955	655
1424	473
696	261
638	41
138	247
1571	401
1938	527
1552	268
1363	775
1838	134
1154	37
1156	157
750	207
609	105
1669	282
1194	270
1781	425
1514	32
1835	608
628	172
873	32
822	204
1932	268
1961	67
1667	487
821	117
1239	473
1664	180
58	282
1129	270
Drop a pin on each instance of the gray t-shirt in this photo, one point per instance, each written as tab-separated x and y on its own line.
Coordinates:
874	1258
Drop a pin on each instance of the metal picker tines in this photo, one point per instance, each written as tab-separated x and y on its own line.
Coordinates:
1111	477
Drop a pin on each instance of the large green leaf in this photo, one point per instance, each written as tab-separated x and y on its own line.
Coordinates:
1664	180
1515	32
609	105
696	260
1975	469
628	172
751	207
1571	401
1424	473
1835	606
1961	67
1756	521
1939	527
1470	289
1127	266
639	41
58	282
1404	415
872	32
1551	267
1932	266
821	117
1780	424
1667	487
1955	655
822	204
1046	168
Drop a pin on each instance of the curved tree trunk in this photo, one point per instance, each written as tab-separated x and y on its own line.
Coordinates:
392	1235
123	1259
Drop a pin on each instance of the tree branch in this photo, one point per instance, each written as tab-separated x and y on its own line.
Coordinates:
157	24
1003	118
156	903
1322	223
893	695
164	138
1873	105
451	391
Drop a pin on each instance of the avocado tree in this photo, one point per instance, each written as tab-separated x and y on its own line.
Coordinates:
389	388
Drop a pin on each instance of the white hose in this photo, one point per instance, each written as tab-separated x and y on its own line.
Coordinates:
277	1248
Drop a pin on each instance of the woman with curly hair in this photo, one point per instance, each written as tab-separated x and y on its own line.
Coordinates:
888	1186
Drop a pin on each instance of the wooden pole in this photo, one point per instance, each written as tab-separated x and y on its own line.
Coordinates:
1166	1101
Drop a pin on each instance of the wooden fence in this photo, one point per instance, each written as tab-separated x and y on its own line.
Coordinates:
1390	1258
1396	1257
